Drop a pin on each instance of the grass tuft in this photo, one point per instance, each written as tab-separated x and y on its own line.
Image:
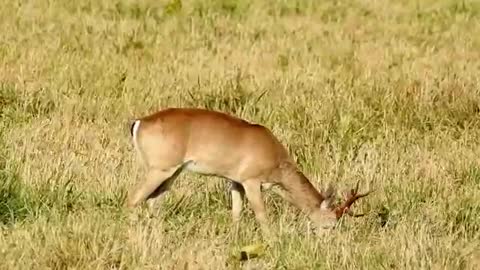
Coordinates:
15	205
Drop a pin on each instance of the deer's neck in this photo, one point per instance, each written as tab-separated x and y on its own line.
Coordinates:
300	190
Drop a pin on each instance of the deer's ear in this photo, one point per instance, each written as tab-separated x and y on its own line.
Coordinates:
330	192
326	204
328	198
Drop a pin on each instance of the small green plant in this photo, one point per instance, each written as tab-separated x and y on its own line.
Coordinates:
15	203
173	7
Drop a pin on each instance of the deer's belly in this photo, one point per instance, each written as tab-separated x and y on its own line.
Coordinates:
201	168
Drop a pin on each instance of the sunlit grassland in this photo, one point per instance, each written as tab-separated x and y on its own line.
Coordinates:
382	92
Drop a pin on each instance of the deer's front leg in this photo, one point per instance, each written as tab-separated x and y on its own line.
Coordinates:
238	193
254	196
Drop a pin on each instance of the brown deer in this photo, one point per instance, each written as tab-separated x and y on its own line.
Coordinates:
246	154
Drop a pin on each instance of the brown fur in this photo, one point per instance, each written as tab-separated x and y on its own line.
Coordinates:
210	142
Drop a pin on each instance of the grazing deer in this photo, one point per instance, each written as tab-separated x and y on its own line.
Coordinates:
246	154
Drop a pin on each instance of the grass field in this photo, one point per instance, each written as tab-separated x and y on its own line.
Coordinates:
385	92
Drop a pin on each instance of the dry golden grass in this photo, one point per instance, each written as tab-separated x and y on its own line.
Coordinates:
386	92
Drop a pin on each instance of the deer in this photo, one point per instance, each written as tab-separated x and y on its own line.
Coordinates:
248	155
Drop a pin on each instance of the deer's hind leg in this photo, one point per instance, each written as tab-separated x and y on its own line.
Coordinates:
157	181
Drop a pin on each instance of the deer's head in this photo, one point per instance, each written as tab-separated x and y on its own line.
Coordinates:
327	216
